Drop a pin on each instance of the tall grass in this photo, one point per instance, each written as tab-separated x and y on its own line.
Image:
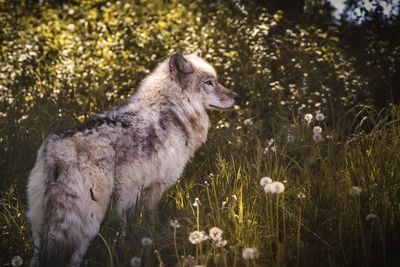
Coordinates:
318	220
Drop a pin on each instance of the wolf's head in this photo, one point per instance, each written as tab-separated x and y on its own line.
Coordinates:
198	79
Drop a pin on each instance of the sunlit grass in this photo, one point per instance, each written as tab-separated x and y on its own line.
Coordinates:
320	218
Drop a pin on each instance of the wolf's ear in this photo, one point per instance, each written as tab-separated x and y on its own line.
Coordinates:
179	66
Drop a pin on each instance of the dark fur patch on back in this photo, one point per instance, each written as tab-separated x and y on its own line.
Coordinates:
97	121
151	140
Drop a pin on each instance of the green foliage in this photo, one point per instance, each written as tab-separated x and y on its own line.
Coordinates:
61	63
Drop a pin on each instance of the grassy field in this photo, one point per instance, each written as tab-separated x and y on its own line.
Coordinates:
317	117
339	207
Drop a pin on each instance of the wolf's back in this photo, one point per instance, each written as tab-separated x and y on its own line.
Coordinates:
55	194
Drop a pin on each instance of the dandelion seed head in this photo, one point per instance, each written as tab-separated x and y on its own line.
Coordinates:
301	195
196	237
174	223
248	122
308	117
278	187
355	191
290	138
219	243
265	180
317	130
146	241
317	137
250	253
269	189
319	116
135	261
16	261
196	202
215	233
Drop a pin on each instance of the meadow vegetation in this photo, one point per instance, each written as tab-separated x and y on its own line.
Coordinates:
319	116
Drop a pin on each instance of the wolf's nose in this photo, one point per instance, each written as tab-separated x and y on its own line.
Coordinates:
236	97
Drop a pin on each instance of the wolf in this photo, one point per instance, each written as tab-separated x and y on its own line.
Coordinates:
136	149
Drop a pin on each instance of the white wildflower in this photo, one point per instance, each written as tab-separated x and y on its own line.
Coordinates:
319	116
136	262
308	117
278	187
355	190
290	138
174	223
196	202
371	216
16	261
215	233
301	195
269	189
146	241
196	237
70	27
250	253
219	243
248	122
317	137
317	130
265	180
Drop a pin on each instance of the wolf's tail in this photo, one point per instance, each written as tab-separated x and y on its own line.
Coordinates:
63	214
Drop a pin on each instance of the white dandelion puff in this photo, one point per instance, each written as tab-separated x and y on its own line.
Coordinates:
196	202
146	241
135	262
248	122
355	191
301	195
215	233
174	223
308	117
219	243
278	187
16	261
371	216
290	138
70	27
317	129
265	180
317	137
250	253
196	237
269	189
319	116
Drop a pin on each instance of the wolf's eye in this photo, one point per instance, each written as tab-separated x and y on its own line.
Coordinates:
208	82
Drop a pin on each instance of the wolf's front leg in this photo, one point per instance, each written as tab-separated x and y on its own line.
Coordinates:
152	196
